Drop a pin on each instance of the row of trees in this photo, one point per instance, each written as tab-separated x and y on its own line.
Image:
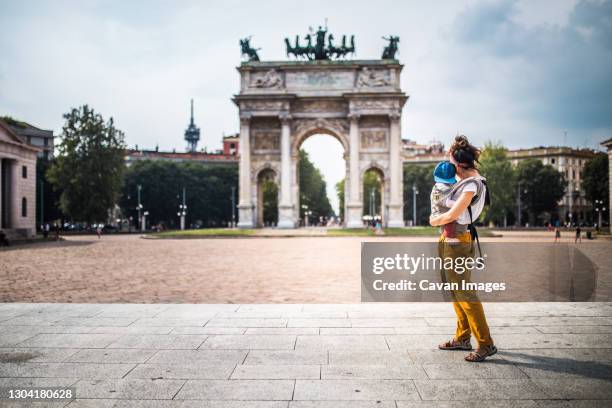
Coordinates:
89	178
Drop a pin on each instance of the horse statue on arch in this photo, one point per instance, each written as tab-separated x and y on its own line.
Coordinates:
246	49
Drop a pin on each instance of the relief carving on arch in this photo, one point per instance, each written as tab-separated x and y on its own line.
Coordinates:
321	105
375	104
270	79
368	77
266	140
373	139
263	105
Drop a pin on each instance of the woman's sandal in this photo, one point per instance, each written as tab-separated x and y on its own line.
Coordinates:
481	354
456	345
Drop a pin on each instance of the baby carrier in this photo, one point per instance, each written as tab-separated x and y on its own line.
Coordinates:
481	184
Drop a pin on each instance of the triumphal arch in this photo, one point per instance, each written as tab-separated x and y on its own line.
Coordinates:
281	103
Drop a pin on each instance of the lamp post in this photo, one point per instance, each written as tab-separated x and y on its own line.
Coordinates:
372	202
233	206
139	206
306	214
415	191
599	209
182	212
42	206
518	204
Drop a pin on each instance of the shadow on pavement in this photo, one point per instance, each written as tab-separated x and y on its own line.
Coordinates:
583	368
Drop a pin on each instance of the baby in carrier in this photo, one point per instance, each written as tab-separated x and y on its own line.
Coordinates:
444	176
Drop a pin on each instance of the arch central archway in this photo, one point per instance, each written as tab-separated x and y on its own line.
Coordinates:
327	158
281	104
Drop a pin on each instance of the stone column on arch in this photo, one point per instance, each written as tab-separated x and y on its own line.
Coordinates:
354	206
285	208
395	215
245	204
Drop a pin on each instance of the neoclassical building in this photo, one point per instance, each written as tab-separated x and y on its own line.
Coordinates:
281	104
17	183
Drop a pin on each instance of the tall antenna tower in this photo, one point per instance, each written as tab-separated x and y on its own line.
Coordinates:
192	134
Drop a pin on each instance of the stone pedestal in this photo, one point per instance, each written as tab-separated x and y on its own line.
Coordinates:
353	219
396	216
245	216
285	216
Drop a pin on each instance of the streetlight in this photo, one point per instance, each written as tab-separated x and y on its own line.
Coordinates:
518	203
233	206
306	213
182	210
372	202
415	191
42	206
139	206
599	209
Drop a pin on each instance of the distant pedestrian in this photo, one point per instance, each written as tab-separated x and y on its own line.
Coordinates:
557	234
46	228
578	235
99	230
56	227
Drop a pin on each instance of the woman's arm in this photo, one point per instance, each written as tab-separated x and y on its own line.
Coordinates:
456	210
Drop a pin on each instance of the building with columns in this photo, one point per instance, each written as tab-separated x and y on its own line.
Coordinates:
281	104
17	184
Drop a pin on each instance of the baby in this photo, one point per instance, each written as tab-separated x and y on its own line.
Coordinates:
444	176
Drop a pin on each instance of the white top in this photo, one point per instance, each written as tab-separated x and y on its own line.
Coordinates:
464	219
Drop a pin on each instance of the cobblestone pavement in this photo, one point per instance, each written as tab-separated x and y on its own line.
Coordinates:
305	355
129	269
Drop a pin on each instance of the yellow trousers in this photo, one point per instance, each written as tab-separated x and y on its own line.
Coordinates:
471	319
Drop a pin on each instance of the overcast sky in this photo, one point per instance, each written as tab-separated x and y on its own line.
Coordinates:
521	72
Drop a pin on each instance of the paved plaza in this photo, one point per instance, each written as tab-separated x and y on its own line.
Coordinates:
130	269
305	355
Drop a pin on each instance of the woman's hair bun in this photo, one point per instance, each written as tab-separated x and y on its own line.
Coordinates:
463	152
461	142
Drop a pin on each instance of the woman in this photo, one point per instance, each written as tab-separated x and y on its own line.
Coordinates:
470	314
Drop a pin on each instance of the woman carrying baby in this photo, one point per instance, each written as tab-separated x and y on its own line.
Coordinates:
466	204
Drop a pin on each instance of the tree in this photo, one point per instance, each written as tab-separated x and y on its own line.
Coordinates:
420	176
89	167
50	197
500	175
313	191
542	186
340	192
270	202
595	179
208	192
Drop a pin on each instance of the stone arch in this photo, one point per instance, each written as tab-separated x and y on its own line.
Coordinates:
318	127
264	173
330	99
376	167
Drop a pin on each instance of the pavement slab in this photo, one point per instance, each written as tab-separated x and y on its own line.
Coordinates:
305	355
